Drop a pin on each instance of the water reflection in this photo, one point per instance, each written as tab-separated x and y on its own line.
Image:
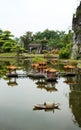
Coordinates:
12	81
48	86
74	94
70	80
75	97
16	105
75	100
47	110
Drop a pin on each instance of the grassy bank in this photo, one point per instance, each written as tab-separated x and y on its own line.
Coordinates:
11	56
25	55
7	55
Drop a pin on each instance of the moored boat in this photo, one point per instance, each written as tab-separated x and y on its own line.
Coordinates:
47	105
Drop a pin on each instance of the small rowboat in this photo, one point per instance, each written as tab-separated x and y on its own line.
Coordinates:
46	105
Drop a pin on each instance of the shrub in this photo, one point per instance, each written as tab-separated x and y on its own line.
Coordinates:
38	59
44	51
64	53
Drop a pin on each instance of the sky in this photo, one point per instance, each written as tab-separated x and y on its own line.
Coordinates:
21	16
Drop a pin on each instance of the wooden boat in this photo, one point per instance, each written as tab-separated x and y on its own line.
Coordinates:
46	105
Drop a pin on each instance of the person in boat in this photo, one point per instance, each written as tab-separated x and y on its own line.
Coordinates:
49	105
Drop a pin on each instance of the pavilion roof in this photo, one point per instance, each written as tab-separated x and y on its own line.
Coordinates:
50	70
69	67
12	67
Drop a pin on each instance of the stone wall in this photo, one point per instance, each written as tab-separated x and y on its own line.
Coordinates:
76	26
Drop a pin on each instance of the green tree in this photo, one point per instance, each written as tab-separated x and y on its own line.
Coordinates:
48	38
9	46
65	52
26	39
7	41
6	35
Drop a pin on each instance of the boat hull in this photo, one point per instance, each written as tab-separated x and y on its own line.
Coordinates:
41	106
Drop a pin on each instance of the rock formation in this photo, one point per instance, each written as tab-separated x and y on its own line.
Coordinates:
76	26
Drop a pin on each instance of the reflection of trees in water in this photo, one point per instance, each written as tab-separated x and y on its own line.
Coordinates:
4	64
3	69
27	65
70	80
48	86
75	100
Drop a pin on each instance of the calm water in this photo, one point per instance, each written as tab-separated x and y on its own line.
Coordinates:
16	104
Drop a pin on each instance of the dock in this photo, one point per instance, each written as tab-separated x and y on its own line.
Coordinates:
17	75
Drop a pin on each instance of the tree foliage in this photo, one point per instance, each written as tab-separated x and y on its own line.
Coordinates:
48	39
26	39
65	52
7	43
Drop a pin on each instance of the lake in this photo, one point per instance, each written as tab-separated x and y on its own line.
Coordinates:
18	96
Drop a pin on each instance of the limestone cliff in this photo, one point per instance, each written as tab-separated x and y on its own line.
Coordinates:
76	26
